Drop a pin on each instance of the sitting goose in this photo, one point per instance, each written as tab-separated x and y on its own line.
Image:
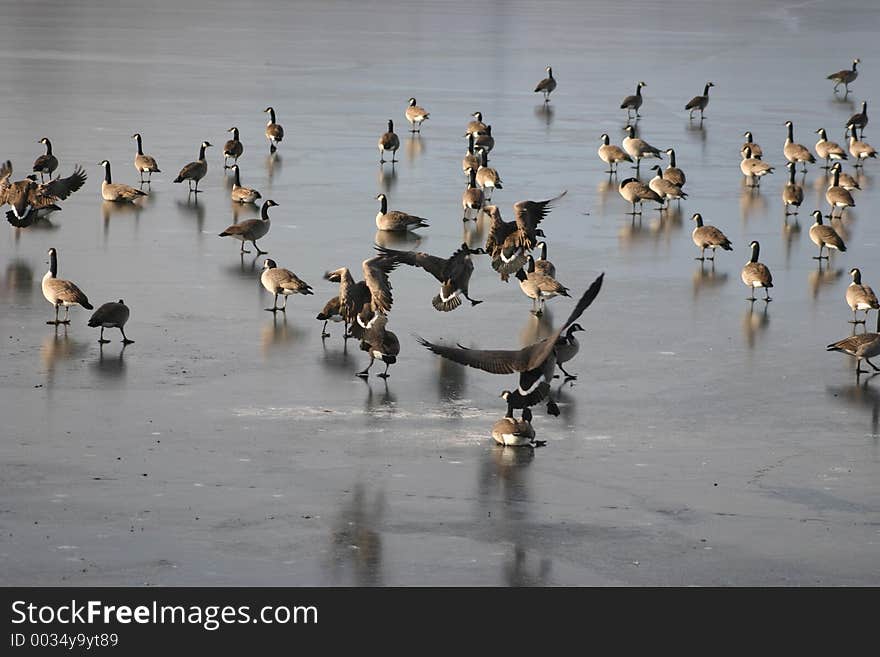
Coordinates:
862	346
388	142
672	173
757	151
846	181
543	265
828	150
194	171
118	192
611	154
635	191
476	126
825	237
845	76
638	148
539	286
859	149
547	85
756	274
241	194
47	163
665	189
699	102
416	115
708	237
753	168
113	314
144	163
512	432
837	196
795	152
633	102
792	193
60	292
374	290
859	120
232	148
274	131
487	177
473	198
28	198
379	343
252	229
281	281
567	347
860	297
395	220
331	312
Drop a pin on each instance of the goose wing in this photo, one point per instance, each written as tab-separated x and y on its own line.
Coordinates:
60	188
376	272
431	264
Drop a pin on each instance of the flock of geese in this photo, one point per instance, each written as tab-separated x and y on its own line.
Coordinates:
364	306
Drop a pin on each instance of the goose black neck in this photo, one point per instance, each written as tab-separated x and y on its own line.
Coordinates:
473	179
484	158
471	143
823	136
756	251
543	250
264	211
857	277
699	221
606	140
791	175
235	134
271	115
531	266
818	216
638	90
521	274
140	147
202	152
107	173
383	205
550	73
836	177
48	147
390	125
864	113
706	90
53	264
672	158
854	66
237	180
790	132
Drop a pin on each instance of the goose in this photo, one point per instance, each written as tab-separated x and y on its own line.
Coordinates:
672	173
859	120
860	150
274	131
194	171
757	151
845	76
638	148
846	181
634	102
118	192
538	286
635	191
379	343
547	85
251	230
860	297
756	274
825	237
567	347
699	102
113	314
281	281
487	177
416	115
508	241
47	163
241	194
612	155
837	196
862	346
60	292
708	237
395	220
828	150
144	163
484	139
388	142
753	168
29	199
795	152
543	265
232	148
476	126
512	432
665	189
471	160
331	312
374	291
473	197
792	193
535	363
453	273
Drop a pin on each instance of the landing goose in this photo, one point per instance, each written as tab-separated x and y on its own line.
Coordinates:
859	149
251	230
484	139
233	148
824	237
379	343
756	274
473	198
487	177
708	237
471	160
395	220
113	314
476	126
792	193
845	76
28	197
538	286
195	171
507	242
547	85
633	102
611	154
753	168
416	115
60	292
757	151
274	132
860	297
846	181
664	188
638	148
144	163
278	280
795	152
672	173
118	192
635	191
241	194
374	291
331	312
534	363
388	142
828	150
512	432
47	163
837	196
699	102
567	347
859	120
543	265
862	346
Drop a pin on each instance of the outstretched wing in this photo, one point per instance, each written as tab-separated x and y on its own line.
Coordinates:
376	272
431	264
529	214
494	361
61	188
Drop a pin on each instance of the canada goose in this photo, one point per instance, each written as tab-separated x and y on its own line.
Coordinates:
374	290
454	273
195	171
118	192
379	343
672	173
547	85
274	131
612	155
860	297
251	230
60	292
699	102
753	168
795	152
792	193
473	197
28	198
331	312
113	314
665	189
860	150
543	265
863	345
388	142
638	148
508	241
241	194
484	139
487	177
476	126
281	281
859	120
416	115
634	102
232	148
824	237
47	163
756	274
512	432
144	163
708	237
396	220
757	151
471	160
846	181
535	363
828	150
635	191
538	286
567	347
845	76
837	196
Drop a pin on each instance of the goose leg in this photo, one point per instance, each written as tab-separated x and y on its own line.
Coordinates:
125	340
858	321
324	333
242	248
752	298
384	374
767	295
875	368
552	408
284	307
56	317
568	377
473	302
274	307
101	337
259	252
66	319
366	373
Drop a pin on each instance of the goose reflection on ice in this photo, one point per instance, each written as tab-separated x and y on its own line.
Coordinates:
355	556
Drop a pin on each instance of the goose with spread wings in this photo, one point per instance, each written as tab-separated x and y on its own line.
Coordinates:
535	363
28	197
374	291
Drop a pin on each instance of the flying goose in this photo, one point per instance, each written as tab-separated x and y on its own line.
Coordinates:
512	432
859	120
454	273
274	131
824	237
860	150
113	314
612	155
388	142
828	150
416	115
756	274
395	220
792	193
753	168
543	265
567	347
634	102
635	191
473	197
846	181
195	171
28	198
281	281
484	139
487	177
476	126
507	242
144	163
672	173
863	345
699	102
837	196
538	286
251	230
60	292
331	312
708	237
47	163
664	188
757	151
638	148
471	160
111	191
845	76
547	85
241	194
795	152
860	297
379	343
535	363
374	290
232	148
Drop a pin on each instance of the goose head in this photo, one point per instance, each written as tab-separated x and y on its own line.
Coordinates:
268	263
412	102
